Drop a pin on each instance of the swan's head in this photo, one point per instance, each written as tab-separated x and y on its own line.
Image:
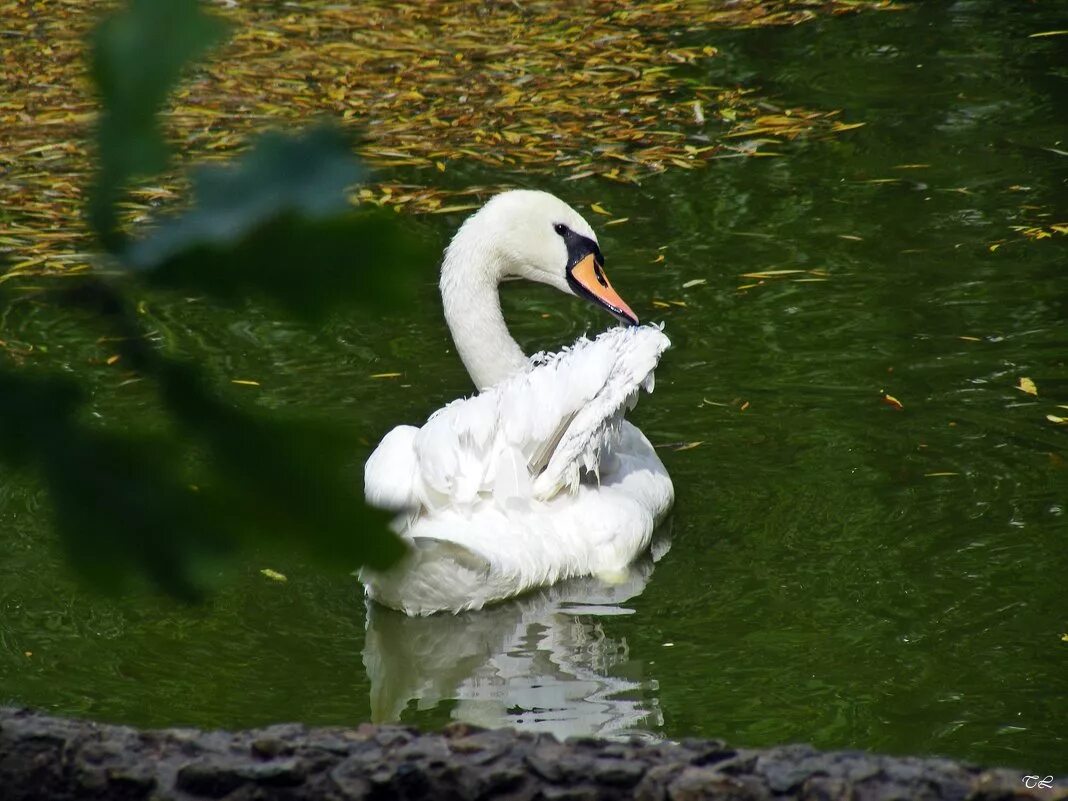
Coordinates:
536	236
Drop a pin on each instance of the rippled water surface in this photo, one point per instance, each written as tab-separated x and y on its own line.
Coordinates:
836	570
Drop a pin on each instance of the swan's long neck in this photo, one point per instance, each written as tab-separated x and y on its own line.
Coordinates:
470	275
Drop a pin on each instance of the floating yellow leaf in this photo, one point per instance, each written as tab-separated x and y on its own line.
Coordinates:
1055	419
597	207
386	375
770	273
245	382
1047	33
689	446
617	221
1028	386
944	473
274	575
892	402
694	282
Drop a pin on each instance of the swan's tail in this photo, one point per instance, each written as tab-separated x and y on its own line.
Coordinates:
392	472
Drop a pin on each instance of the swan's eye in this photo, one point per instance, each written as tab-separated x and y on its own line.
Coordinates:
560	228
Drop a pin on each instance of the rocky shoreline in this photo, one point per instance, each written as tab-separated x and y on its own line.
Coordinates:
44	757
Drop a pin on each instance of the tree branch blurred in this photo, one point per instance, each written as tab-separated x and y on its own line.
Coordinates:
277	226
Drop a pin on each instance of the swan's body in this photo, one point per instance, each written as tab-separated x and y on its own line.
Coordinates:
537	478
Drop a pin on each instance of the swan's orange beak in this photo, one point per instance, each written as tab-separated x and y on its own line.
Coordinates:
588	280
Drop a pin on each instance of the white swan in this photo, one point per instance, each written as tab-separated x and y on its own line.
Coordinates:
537	478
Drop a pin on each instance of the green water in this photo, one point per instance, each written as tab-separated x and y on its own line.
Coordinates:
840	572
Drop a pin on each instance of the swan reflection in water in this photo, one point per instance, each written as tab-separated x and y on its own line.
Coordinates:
541	662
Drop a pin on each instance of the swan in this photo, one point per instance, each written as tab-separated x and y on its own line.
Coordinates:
537	478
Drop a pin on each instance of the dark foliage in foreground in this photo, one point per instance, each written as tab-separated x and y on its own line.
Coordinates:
277	226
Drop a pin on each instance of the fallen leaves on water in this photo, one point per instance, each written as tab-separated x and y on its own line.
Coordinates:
386	375
273	575
1028	386
1056	420
502	85
892	402
762	277
1039	232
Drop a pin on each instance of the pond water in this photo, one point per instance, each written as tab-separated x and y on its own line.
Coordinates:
836	570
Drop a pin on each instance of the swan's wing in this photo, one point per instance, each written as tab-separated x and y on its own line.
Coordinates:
528	436
594	426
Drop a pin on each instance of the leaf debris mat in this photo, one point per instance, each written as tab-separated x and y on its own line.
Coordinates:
578	90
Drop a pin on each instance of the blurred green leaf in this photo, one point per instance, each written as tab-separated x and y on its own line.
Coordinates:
120	505
164	507
278	224
304	175
286	479
137	57
307	267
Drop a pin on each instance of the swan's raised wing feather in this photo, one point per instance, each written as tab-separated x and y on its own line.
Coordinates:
595	426
531	435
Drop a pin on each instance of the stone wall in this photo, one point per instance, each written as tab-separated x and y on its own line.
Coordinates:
44	757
